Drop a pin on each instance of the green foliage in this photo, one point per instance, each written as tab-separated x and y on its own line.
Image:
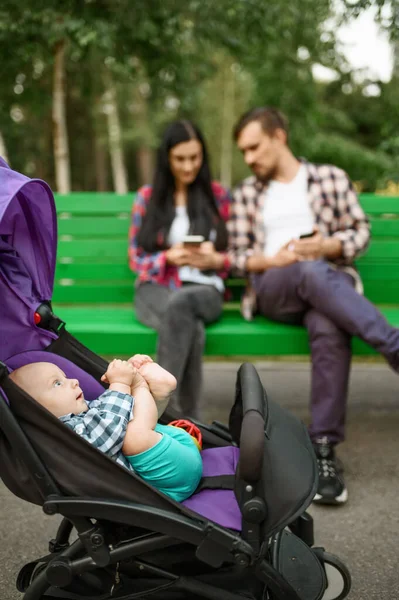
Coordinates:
205	59
371	169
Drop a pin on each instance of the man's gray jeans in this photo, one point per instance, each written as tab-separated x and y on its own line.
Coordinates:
325	301
179	317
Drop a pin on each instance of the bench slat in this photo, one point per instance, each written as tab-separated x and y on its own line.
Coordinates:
374	204
119	271
109	293
113	226
94	249
103	203
94	203
115	331
118	226
384	228
115	270
378	291
98	249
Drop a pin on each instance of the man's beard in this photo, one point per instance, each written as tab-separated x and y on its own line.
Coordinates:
268	176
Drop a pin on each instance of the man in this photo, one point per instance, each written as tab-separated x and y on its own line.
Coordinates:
296	229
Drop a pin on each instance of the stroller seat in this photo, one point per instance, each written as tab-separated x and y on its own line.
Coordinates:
220	505
245	534
244	491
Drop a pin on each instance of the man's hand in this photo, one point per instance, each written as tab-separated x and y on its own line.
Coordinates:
258	263
177	255
205	257
284	258
311	248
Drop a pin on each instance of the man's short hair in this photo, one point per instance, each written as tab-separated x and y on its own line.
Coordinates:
270	119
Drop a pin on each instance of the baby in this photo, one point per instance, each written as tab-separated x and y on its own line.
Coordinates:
122	422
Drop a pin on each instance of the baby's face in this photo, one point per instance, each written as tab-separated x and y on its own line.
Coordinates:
51	388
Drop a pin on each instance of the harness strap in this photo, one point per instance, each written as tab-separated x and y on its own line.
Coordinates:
216	482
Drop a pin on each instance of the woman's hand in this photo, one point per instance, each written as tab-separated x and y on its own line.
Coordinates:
177	255
205	258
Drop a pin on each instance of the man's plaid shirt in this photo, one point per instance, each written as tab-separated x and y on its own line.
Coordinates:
336	210
104	424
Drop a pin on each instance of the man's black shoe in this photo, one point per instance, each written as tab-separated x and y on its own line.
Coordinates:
331	488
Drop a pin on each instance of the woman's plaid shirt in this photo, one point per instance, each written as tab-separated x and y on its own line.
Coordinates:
152	266
336	210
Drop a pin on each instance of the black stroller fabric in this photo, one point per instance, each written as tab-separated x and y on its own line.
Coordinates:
286	467
133	541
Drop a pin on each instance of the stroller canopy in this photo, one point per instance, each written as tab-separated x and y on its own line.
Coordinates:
28	244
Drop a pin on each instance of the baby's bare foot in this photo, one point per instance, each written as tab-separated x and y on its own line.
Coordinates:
138	360
161	382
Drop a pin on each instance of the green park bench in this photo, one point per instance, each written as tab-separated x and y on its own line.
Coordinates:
94	287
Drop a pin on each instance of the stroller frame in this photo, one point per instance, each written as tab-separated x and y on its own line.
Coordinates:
247	554
132	540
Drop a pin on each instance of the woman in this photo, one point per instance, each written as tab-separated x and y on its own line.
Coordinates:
180	287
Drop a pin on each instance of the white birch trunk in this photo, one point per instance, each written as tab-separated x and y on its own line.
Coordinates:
60	133
226	154
3	149
100	145
144	154
119	173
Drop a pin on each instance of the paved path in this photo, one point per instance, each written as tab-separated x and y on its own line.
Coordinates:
364	533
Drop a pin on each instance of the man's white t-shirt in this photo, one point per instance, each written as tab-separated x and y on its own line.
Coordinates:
287	213
180	228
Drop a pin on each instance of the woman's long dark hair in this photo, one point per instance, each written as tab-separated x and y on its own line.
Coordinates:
202	210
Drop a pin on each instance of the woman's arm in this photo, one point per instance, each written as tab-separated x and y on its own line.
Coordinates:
142	262
206	257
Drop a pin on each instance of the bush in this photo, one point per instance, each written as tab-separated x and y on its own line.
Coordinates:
370	168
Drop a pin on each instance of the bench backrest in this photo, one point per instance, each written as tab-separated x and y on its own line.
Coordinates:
92	262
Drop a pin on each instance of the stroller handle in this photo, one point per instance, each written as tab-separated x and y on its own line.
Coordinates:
248	422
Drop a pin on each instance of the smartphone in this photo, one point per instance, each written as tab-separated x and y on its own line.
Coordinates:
306	235
193	241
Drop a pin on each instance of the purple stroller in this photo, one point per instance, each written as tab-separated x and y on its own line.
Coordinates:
243	534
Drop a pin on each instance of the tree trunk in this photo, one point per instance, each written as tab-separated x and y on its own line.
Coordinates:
226	154
99	146
60	133
144	154
145	164
3	149
100	164
119	173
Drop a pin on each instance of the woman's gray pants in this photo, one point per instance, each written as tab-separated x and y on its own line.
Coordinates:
179	317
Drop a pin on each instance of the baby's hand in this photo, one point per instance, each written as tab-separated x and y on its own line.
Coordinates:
120	371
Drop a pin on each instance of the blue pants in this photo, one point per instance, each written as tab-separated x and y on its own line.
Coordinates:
173	465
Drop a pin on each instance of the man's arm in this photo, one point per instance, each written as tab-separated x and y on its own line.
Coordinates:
353	225
257	263
349	231
241	237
